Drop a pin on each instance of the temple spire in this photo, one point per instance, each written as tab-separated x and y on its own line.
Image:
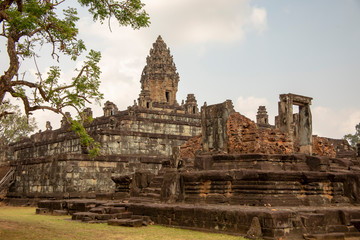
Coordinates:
159	79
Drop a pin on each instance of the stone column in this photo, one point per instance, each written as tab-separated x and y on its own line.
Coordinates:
285	114
214	129
305	129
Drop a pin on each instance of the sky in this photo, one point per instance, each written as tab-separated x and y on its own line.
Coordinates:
248	51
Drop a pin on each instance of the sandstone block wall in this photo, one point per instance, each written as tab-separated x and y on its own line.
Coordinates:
75	175
52	163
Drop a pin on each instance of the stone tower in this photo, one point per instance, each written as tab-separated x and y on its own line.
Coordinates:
191	106
262	118
159	79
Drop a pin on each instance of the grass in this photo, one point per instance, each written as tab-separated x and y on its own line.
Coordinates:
22	223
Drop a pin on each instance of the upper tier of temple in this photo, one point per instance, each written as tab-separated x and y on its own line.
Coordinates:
159	79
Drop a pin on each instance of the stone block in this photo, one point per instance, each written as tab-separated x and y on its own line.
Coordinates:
113	210
84	215
126	222
42	211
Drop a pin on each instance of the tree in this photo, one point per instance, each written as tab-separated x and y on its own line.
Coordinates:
15	126
30	24
354	139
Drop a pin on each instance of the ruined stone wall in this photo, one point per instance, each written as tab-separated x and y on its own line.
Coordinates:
75	175
189	149
276	179
323	147
52	162
245	137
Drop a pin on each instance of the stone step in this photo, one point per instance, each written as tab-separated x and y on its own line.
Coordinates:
356	223
145	219
91	216
113	210
124	215
325	236
312	219
152	190
84	216
155	196
99	210
127	222
157	181
142	200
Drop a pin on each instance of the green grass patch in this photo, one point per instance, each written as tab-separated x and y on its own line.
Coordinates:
23	223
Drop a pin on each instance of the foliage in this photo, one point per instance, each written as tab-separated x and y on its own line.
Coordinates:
354	138
28	25
85	139
15	126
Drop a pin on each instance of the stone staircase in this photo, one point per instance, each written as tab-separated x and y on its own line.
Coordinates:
114	214
152	192
334	228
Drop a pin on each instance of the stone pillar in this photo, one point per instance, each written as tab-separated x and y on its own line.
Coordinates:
285	113
214	129
305	129
296	125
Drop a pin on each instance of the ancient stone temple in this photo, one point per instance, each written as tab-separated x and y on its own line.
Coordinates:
53	163
240	179
211	170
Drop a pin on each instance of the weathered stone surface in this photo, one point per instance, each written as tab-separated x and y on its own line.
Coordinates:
214	128
84	216
170	189
245	137
323	147
189	149
254	231
296	125
126	222
42	211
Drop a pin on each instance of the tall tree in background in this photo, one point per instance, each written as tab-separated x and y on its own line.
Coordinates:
28	25
354	138
15	126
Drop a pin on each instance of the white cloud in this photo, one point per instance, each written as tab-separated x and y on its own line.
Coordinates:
258	19
184	21
334	124
248	106
124	50
180	22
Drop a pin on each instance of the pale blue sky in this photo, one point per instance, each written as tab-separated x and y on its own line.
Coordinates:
249	51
